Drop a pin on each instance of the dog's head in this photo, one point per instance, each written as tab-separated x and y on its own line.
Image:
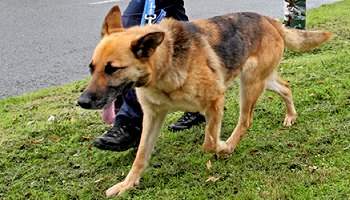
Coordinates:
120	61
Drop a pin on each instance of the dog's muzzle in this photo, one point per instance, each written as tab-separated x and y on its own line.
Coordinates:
85	101
93	100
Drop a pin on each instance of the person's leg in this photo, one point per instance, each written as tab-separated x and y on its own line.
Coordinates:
295	13
127	128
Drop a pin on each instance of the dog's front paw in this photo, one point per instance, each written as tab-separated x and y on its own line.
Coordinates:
120	188
290	120
226	150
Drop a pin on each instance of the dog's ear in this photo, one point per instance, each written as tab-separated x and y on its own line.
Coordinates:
145	46
113	22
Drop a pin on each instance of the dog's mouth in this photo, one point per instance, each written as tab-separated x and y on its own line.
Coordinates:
105	100
108	111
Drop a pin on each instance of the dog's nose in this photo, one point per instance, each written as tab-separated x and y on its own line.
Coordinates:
85	102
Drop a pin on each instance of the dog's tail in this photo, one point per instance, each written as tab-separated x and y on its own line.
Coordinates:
300	40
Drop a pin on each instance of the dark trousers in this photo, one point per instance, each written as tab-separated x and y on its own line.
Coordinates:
131	108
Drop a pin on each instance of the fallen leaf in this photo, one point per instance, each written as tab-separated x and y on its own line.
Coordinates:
87	137
208	164
100	180
37	141
252	150
212	179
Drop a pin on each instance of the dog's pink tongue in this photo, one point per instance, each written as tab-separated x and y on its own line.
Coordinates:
108	114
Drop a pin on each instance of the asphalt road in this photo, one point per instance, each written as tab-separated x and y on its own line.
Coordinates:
48	43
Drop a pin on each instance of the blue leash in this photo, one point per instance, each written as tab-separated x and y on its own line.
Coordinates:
149	13
161	16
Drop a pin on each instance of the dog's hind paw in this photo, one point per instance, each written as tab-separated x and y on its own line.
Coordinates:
120	188
226	150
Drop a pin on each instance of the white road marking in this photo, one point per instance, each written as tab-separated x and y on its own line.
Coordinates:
101	2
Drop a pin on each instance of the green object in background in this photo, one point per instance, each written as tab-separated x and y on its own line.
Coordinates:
295	13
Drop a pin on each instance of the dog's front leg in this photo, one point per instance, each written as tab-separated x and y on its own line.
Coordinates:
152	123
213	118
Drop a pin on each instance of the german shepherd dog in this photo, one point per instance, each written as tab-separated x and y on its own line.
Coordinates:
189	66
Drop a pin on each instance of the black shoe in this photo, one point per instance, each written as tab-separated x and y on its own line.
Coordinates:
186	121
120	137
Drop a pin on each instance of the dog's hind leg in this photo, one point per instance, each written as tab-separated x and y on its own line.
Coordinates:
276	84
213	117
152	123
250	90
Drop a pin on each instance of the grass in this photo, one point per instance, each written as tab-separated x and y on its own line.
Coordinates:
43	159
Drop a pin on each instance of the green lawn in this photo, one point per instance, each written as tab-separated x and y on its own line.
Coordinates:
310	160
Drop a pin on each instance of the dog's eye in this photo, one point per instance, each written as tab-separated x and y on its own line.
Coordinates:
109	69
92	68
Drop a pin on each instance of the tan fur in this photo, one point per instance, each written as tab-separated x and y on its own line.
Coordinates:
192	76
